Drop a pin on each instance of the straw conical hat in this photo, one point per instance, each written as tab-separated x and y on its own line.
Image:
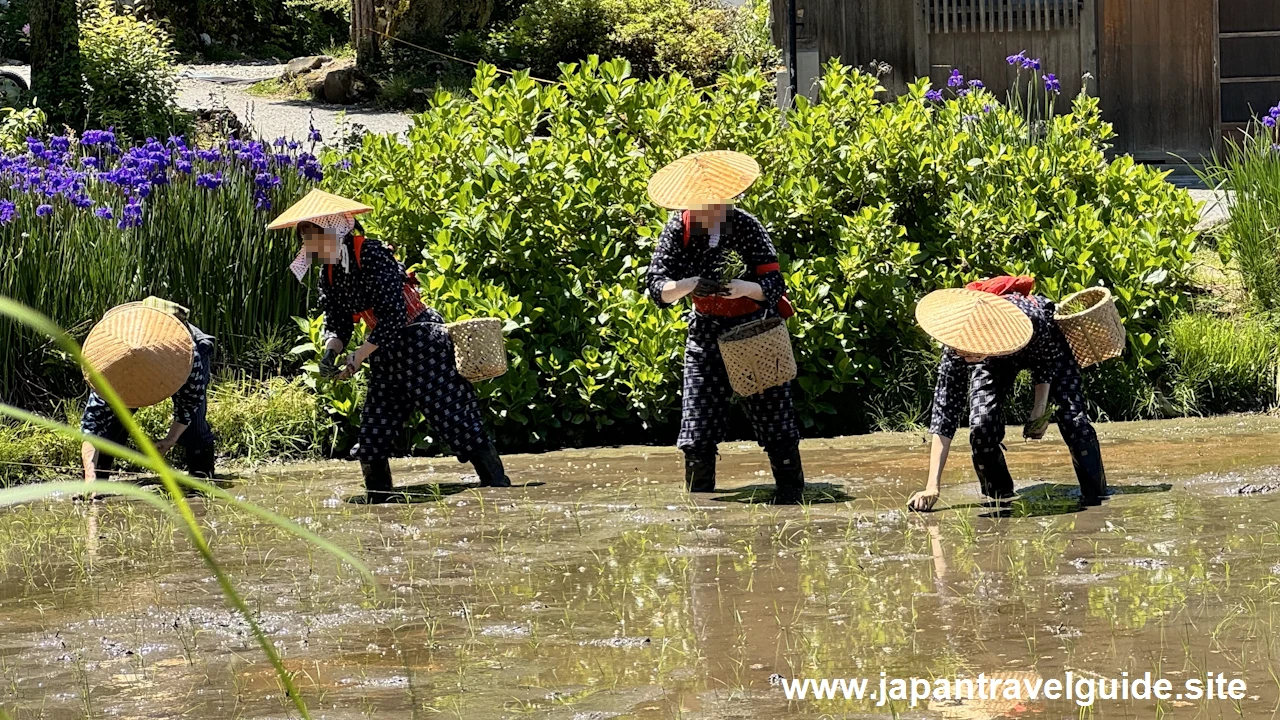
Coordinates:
317	204
146	354
705	178
973	322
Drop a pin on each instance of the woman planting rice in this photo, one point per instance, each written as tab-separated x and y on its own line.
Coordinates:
410	353
990	331
689	259
147	351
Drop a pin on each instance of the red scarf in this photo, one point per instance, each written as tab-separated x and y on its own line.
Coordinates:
1004	285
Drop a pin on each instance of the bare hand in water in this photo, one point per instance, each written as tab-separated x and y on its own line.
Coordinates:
923	501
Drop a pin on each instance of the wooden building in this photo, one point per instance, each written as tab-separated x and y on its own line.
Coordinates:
1173	75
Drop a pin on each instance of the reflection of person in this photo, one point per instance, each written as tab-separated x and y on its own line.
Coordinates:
148	352
692	253
410	353
991	331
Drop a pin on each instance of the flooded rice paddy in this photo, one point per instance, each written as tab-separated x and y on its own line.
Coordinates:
601	590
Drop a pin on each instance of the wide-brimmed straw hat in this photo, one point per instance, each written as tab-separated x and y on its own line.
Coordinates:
705	178
317	204
973	322
145	353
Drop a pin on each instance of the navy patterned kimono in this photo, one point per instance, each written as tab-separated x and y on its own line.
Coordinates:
985	385
414	366
190	404
704	417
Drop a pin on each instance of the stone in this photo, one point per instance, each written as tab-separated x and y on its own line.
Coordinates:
303	65
343	83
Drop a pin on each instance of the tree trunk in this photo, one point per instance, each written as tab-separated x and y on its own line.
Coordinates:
56	79
364	36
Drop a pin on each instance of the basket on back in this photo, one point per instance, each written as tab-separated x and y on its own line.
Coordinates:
479	348
757	356
1092	325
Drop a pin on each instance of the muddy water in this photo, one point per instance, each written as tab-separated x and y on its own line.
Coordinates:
601	590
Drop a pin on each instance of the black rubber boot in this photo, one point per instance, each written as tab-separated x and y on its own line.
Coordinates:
1086	458
788	475
700	472
488	465
200	462
378	487
993	472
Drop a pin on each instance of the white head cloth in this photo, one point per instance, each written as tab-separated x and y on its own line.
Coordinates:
338	225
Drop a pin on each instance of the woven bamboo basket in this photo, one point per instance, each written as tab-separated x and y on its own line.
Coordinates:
479	348
1095	332
758	356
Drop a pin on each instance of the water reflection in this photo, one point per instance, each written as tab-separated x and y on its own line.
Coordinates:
608	592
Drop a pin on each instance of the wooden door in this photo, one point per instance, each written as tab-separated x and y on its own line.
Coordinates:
1249	42
1158	76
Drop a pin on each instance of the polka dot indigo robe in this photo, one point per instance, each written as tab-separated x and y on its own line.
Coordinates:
985	386
704	419
413	367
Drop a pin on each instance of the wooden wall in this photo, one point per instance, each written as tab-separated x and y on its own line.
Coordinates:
1154	62
1159	84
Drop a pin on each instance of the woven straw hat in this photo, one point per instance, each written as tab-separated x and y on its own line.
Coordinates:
973	322
145	353
317	204
705	178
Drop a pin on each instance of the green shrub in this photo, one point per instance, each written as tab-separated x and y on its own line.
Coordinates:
698	38
258	28
528	202
18	125
130	72
14	41
1224	364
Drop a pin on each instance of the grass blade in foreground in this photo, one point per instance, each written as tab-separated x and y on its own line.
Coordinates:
152	460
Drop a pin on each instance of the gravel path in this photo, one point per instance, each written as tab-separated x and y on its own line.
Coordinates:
204	86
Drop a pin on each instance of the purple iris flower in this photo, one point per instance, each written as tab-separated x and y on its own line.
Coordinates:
210	181
267	180
976	84
1018	59
8	211
1051	83
104	212
98	137
314	135
345	164
90	161
184	166
933	96
261	201
956	79
1269	121
1031	63
44	210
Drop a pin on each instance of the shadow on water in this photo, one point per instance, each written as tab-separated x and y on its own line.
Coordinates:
1047	499
814	494
430	492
